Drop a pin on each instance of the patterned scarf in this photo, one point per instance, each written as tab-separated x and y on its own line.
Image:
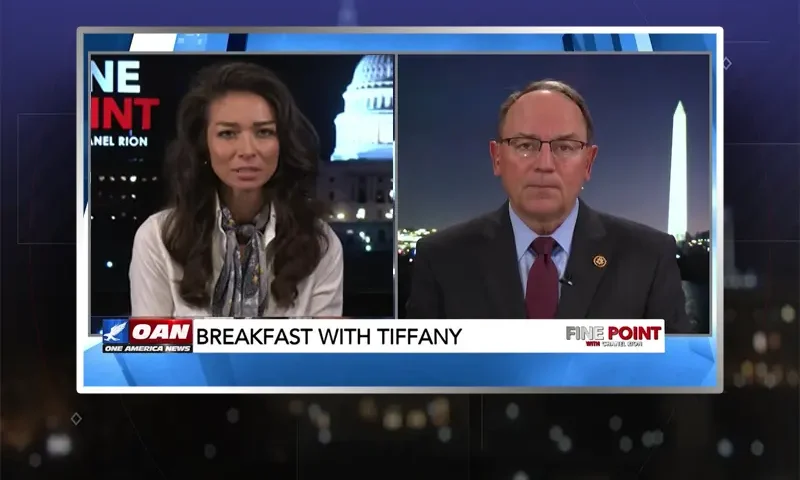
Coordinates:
242	289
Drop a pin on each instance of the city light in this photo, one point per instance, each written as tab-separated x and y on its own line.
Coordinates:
232	415
416	420
788	314
512	411
393	418
760	342
59	445
407	239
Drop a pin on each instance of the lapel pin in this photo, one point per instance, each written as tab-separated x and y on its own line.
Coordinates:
600	261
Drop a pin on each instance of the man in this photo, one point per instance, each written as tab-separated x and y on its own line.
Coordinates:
545	253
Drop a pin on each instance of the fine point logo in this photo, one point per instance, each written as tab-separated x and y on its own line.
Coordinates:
614	336
117	103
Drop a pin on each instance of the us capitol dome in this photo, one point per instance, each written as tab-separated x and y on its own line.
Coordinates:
357	183
365	129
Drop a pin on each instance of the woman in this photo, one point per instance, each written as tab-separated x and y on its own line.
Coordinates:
243	236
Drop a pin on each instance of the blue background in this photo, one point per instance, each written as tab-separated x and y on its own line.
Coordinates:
689	362
122	337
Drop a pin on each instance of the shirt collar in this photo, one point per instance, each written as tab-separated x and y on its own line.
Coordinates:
524	236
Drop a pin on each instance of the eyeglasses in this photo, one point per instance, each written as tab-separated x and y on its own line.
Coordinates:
531	147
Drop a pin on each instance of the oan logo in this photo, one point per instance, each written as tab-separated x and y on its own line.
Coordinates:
115	331
152	335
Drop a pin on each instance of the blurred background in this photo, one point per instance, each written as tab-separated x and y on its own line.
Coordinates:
749	432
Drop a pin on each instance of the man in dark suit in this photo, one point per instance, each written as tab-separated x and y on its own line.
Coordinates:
545	253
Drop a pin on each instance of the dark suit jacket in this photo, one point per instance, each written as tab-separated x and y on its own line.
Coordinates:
471	271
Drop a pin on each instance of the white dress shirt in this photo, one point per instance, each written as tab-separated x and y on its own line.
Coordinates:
155	277
524	237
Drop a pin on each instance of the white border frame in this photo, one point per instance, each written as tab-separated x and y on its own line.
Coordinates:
84	341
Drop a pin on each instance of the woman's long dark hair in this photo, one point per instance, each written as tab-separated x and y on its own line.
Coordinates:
300	238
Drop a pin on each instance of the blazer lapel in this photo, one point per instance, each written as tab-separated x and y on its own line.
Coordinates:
499	267
590	254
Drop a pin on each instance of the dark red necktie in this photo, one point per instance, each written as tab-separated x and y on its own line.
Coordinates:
541	295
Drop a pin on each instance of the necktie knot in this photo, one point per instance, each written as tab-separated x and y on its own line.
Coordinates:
543	245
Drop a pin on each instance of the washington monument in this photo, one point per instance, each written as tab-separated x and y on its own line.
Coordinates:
678	220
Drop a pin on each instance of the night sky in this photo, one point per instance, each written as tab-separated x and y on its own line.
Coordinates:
448	109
